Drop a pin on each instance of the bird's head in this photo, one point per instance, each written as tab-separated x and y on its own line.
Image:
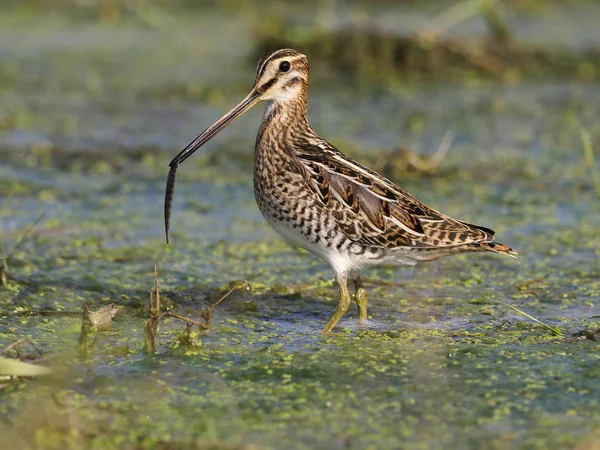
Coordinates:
281	77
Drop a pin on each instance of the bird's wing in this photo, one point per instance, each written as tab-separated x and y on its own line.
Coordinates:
374	211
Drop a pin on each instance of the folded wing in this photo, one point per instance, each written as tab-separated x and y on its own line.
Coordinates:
374	211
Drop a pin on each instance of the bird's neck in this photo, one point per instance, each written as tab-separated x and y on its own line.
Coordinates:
284	123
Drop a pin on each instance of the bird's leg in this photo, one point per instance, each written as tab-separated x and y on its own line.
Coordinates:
360	296
343	302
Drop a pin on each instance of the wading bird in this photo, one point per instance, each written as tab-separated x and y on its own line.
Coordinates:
319	199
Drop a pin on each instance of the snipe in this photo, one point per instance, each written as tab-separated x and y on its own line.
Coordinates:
323	201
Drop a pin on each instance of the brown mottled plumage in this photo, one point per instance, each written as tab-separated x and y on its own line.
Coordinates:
321	200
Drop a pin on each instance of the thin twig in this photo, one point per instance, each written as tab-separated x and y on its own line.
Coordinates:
2	210
450	17
476	56
86	329
154	315
556	331
235	287
527	283
157	289
442	149
590	159
27	233
152	15
430	33
17	346
5	259
185	319
448	345
504	322
207	313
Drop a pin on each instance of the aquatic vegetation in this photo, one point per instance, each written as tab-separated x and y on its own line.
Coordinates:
591	160
91	115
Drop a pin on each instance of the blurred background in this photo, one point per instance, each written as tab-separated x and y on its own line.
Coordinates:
486	110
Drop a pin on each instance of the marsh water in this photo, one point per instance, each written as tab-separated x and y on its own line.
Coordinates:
92	111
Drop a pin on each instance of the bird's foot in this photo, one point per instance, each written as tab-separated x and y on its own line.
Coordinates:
361	301
342	307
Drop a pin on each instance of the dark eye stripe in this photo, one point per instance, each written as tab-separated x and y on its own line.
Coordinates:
267	85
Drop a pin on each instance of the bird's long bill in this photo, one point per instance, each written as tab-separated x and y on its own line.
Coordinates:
251	99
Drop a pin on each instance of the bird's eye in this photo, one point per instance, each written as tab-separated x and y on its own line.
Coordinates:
284	66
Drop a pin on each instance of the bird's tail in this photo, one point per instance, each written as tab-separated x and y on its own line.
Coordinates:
497	248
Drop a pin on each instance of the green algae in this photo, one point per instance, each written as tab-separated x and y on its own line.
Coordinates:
441	364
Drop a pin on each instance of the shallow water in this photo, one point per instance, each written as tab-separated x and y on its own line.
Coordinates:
91	114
